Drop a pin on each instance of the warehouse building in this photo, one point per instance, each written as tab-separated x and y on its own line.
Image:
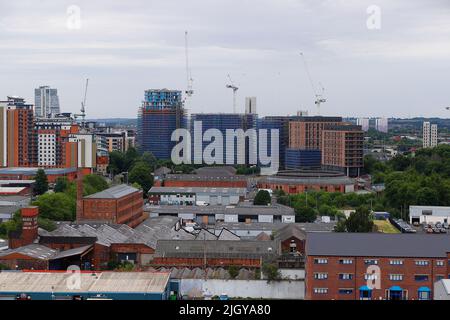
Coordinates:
193	195
215	253
429	214
243	212
85	285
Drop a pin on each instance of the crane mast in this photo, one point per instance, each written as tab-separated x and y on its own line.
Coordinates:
82	113
319	96
189	91
235	89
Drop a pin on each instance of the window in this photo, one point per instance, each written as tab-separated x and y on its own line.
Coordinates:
440	263
424	295
321	290
396	277
320	275
422	262
421	277
320	261
395	262
370	261
345	276
370	276
345	261
440	277
345	291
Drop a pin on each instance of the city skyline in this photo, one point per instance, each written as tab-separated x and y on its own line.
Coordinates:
398	70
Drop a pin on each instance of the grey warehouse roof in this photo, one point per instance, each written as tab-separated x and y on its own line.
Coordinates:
275	209
309	180
115	192
216	248
33	170
212	190
377	245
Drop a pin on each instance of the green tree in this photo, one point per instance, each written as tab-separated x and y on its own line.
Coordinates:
61	184
233	271
359	221
56	206
116	162
141	173
305	214
427	196
93	183
270	270
41	182
150	159
262	198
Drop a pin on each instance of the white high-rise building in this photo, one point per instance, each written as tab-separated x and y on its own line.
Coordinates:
364	123
250	105
46	102
381	125
429	135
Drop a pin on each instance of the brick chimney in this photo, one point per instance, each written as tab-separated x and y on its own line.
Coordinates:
79	195
29	232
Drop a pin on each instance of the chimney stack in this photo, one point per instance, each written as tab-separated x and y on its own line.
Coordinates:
79	195
29	232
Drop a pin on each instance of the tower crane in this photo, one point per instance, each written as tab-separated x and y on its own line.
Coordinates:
82	113
189	91
235	89
319	96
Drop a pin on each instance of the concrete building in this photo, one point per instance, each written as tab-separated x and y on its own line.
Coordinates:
210	215
120	204
46	102
193	195
429	214
250	105
86	151
160	114
382	125
429	135
374	266
342	149
102	286
442	290
364	123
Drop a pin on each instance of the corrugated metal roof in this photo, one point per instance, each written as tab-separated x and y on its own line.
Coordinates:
102	282
198	190
377	245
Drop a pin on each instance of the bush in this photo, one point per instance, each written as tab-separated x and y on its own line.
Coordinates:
262	198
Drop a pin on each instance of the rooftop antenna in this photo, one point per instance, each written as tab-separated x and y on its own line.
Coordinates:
235	89
319	96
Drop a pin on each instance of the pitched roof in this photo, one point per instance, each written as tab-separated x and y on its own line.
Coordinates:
290	230
115	192
377	245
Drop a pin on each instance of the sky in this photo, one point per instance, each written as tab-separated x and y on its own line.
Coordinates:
385	58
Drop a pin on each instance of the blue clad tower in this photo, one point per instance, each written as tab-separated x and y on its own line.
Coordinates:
160	114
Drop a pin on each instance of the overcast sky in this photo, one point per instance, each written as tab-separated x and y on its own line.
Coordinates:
124	47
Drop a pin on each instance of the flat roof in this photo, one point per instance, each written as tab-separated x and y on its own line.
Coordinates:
377	245
115	192
33	170
212	190
12	190
204	177
99	282
437	211
2	182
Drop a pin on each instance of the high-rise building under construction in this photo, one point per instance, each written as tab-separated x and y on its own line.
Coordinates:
160	114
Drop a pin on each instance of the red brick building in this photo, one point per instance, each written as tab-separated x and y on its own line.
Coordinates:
214	253
120	204
299	183
342	148
373	266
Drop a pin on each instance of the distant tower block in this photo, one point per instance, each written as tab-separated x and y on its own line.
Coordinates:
302	113
250	105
